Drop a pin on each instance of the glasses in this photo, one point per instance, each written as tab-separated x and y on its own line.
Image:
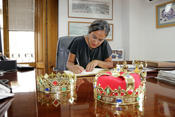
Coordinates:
95	38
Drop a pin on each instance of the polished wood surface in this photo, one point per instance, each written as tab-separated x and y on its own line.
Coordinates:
27	102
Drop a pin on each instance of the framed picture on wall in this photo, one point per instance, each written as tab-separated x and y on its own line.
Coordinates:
81	28
117	55
165	14
102	9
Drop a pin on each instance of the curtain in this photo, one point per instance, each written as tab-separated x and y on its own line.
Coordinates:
21	15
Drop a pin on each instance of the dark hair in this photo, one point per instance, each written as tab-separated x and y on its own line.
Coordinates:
99	24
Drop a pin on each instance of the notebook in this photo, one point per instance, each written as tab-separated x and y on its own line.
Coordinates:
85	73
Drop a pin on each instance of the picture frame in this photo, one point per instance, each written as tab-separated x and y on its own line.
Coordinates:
81	28
91	9
165	14
118	55
163	103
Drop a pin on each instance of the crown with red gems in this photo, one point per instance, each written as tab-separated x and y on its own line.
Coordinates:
122	86
56	83
55	99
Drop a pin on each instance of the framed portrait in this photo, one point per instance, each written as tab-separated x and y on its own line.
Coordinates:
164	106
102	9
81	28
117	55
165	14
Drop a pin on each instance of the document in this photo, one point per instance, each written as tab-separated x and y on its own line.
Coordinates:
168	76
6	95
85	73
5	92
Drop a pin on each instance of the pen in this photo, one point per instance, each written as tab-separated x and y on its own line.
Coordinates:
77	61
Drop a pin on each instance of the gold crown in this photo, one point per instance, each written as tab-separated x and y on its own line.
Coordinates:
55	99
109	110
56	83
120	96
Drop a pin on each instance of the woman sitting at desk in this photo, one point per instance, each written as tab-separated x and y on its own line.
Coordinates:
92	50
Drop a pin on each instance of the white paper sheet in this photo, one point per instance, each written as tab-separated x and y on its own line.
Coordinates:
85	73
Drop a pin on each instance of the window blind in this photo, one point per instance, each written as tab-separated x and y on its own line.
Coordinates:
21	15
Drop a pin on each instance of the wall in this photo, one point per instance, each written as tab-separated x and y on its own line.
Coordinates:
63	22
125	27
145	40
134	29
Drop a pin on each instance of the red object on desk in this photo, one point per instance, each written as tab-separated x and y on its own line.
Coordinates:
114	82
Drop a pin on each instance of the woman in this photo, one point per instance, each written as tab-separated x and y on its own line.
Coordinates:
92	50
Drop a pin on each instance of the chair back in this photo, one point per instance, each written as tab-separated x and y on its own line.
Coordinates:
62	52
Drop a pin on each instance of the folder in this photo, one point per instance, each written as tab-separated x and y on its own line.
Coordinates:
158	64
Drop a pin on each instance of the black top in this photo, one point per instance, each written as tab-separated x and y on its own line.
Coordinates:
84	54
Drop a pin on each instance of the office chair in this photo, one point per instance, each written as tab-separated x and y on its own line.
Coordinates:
62	52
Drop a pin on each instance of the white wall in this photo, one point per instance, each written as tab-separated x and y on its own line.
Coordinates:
125	27
134	29
63	22
145	40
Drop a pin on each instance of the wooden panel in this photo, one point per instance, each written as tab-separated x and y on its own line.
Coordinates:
52	28
46	33
39	33
40	65
5	28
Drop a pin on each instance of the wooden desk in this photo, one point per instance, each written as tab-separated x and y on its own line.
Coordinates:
159	101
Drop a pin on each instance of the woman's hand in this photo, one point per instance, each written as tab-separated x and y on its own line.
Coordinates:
91	65
77	69
70	64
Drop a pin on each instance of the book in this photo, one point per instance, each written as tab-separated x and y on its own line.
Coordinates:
160	64
85	73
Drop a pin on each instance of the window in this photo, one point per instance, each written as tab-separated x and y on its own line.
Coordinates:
21	45
21	30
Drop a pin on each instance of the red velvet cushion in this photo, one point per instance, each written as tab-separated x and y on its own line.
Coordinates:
115	82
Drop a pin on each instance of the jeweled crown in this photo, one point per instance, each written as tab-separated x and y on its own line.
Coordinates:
122	86
55	89
56	83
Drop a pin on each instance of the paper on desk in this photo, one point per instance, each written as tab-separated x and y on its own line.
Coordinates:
168	76
5	92
6	95
85	73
